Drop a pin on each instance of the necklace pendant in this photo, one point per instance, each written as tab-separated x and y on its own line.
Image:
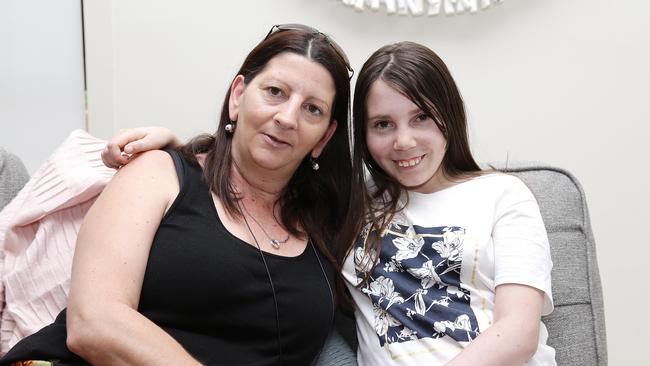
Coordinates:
275	243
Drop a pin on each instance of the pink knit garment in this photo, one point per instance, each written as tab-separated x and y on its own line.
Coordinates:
38	232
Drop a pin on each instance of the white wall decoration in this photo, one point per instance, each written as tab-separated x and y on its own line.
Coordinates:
420	7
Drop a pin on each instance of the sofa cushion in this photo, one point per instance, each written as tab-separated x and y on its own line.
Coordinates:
13	176
577	325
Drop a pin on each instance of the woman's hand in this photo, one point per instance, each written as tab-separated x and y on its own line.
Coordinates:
130	141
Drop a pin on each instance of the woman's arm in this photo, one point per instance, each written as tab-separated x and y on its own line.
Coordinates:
512	339
130	141
109	263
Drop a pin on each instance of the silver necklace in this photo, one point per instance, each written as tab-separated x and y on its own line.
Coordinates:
275	243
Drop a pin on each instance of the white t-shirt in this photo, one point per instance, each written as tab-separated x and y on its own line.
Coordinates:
432	290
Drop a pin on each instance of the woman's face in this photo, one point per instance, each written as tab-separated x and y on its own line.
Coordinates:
403	140
283	114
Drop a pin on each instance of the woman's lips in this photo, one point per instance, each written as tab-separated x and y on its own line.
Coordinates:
275	142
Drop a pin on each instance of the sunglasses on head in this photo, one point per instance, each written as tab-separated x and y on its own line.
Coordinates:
307	29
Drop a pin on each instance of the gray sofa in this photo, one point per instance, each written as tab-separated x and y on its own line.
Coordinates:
577	325
13	176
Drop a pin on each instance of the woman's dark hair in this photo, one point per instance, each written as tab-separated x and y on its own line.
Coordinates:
419	74
314	201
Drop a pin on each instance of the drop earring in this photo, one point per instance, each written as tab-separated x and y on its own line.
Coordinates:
230	127
314	164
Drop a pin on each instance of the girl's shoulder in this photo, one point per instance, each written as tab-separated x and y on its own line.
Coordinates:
489	186
503	189
495	180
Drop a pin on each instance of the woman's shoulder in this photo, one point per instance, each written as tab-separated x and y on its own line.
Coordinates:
149	170
150	162
148	184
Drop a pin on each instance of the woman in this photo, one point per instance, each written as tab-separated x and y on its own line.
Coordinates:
212	255
451	264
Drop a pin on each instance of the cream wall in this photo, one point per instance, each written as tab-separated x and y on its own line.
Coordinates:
565	82
41	76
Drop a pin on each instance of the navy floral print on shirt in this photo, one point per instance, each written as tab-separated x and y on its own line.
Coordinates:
415	286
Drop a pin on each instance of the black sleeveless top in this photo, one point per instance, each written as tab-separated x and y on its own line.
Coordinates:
212	293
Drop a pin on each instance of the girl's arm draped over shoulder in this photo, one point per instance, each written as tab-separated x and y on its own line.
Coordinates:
130	141
104	326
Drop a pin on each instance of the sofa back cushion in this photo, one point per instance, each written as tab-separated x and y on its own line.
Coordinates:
577	325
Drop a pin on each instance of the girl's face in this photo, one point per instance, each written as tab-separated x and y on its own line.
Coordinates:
403	140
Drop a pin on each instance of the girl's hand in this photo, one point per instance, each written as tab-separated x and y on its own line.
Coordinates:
130	141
